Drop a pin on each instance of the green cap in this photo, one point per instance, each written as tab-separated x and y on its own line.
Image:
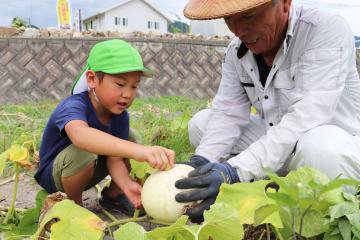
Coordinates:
112	57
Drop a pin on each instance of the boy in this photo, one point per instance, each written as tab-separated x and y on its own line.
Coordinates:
86	136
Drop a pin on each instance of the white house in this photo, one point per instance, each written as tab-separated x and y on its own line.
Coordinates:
210	27
129	16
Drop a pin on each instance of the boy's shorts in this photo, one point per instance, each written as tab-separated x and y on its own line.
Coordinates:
72	160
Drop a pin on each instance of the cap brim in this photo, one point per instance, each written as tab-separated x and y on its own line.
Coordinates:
147	73
81	85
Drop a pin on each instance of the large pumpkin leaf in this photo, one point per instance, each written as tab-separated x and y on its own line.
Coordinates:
306	174
71	222
222	222
130	231
246	198
176	231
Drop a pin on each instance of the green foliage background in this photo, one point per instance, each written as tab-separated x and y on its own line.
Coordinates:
158	120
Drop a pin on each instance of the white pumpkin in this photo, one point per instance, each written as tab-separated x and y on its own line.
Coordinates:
158	194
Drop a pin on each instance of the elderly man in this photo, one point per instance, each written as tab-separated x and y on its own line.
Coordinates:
297	68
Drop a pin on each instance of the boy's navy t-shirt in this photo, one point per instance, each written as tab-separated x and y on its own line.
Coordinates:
55	139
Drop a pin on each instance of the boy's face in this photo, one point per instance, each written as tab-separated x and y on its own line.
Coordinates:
116	92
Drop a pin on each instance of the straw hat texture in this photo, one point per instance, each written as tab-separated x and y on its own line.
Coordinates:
212	9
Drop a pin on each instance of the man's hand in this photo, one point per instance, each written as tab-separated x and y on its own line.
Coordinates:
207	180
197	161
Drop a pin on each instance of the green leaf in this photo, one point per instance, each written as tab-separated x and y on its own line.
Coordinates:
283	199
342	209
29	222
140	169
73	222
246	198
3	157
350	197
337	183
313	224
345	229
180	122
286	217
328	199
10	235
176	231
40	198
263	212
305	175
130	231
356	232
4	227
354	219
332	237
284	185
221	222
334	230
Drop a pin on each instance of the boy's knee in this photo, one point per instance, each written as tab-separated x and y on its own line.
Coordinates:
70	162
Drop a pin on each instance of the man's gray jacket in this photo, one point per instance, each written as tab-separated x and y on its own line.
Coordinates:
313	82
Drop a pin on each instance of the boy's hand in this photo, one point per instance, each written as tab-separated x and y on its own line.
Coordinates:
157	157
132	191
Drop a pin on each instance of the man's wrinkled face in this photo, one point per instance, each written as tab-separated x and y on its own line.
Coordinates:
262	28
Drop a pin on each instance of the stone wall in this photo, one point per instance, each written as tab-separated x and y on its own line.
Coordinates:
33	69
45	68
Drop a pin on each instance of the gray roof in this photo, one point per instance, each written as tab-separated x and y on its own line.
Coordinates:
123	2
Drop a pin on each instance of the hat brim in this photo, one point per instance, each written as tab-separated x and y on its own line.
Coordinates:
214	9
81	85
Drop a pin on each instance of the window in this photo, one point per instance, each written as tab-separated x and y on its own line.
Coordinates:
117	21
125	22
121	21
150	24
157	25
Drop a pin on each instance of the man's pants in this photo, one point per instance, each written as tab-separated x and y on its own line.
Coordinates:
327	148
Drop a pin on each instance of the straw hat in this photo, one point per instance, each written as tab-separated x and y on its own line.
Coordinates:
212	9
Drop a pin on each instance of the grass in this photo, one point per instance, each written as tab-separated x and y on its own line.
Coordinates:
163	121
159	120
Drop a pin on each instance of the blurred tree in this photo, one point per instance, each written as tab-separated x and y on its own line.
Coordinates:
179	27
18	22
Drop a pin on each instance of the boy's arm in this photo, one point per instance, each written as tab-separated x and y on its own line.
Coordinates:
98	142
120	176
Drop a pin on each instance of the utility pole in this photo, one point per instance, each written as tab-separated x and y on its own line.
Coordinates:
29	24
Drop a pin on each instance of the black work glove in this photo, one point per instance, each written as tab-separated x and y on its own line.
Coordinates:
197	161
207	180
